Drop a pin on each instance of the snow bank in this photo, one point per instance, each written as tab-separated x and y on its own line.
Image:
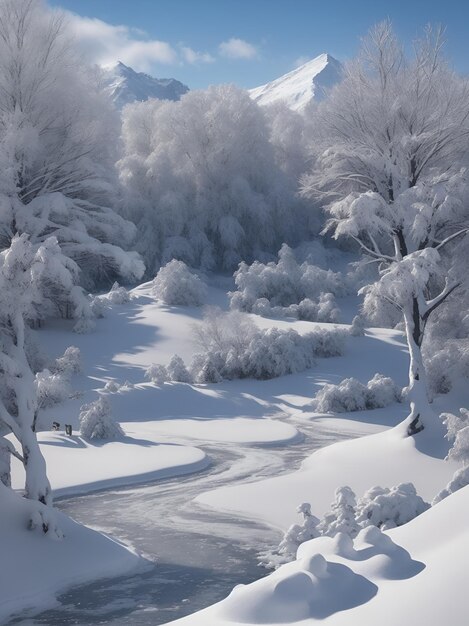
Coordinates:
75	465
35	568
379	578
387	458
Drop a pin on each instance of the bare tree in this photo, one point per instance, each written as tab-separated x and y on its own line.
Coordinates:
392	143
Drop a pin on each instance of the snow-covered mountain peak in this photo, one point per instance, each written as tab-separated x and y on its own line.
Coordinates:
125	85
303	84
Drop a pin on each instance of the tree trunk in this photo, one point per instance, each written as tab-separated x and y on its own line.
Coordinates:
417	391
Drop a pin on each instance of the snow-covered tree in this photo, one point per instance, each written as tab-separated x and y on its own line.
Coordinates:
295	535
177	370
58	137
96	421
157	374
341	517
202	182
458	433
392	140
19	297
459	480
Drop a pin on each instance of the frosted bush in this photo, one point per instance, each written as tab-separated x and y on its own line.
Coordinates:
99	306
233	347
341	517
352	395
112	386
177	370
70	362
446	360
96	421
390	507
51	388
292	539
458	432
325	310
357	329
118	294
176	284
157	374
384	508
459	480
84	325
287	288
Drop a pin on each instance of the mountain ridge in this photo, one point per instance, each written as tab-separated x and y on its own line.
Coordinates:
124	85
299	87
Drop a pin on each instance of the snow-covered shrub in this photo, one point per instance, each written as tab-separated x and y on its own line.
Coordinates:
99	306
51	388
233	347
352	395
287	288
69	363
446	360
53	385
84	325
117	294
384	508
112	386
341	517
459	480
389	507
96	421
292	539
324	310
157	374
458	432
357	329
177	370
176	284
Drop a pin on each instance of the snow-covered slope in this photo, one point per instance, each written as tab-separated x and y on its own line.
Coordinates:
305	83
125	85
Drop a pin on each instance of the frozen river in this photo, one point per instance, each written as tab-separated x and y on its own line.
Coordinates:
195	555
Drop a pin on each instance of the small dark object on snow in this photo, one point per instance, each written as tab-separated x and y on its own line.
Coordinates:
68	429
55	426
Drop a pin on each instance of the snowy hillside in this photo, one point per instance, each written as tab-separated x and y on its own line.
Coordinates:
125	85
305	83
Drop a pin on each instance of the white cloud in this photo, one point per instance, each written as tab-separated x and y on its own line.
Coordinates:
237	49
192	56
105	43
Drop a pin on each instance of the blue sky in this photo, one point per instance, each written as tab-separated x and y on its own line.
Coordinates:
248	42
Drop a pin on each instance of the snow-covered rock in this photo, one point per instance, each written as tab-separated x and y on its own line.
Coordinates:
124	85
304	84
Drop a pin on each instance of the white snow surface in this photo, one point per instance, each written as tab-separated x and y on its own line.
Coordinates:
162	424
302	85
35	568
415	574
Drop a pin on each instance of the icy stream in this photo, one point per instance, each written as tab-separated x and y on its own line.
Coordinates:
196	556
